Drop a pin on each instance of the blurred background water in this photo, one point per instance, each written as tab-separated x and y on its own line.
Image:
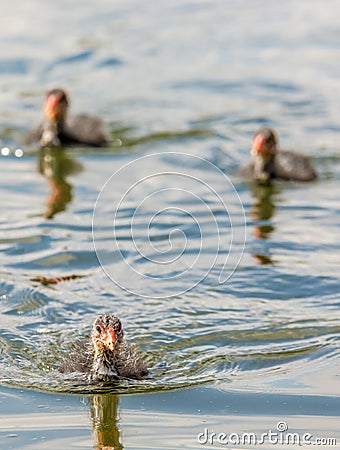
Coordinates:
196	78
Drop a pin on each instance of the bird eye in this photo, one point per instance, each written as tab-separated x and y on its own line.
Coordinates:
98	329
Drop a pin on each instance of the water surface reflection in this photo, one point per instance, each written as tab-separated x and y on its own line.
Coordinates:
104	417
262	212
56	165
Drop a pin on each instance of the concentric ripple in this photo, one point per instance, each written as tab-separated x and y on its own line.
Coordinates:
167	225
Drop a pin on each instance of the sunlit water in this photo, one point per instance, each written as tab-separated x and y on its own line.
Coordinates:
260	315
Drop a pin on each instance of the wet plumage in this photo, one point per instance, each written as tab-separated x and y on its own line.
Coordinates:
268	162
106	357
58	129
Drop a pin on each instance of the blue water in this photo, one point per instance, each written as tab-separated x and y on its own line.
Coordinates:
230	290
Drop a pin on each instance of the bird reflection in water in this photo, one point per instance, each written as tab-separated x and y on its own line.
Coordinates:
56	165
104	416
262	211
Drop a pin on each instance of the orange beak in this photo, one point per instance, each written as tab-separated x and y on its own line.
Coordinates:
51	105
111	339
54	108
258	144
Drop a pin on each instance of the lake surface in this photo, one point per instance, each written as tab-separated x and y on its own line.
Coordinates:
230	290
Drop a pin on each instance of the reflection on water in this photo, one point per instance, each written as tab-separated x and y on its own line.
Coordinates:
263	209
56	165
263	322
104	417
262	212
270	324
